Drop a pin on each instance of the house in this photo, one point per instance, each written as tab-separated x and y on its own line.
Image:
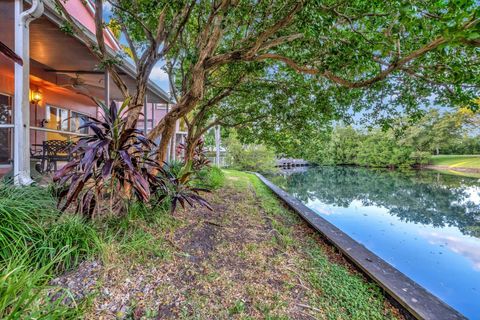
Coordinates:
48	97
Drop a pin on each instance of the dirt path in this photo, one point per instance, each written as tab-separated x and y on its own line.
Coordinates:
248	259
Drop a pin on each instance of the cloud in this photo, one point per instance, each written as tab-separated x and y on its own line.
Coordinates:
107	7
468	247
158	74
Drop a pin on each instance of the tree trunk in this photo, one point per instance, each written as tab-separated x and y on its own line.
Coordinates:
186	103
191	143
136	105
167	134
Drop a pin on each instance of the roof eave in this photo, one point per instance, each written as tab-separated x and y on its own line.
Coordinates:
125	65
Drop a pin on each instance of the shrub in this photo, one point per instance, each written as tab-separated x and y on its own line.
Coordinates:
24	289
23	212
249	157
421	157
110	164
73	234
199	157
114	165
252	158
211	178
175	167
179	187
380	149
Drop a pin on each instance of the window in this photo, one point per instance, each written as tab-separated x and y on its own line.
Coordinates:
6	129
57	119
159	106
76	121
5	109
65	120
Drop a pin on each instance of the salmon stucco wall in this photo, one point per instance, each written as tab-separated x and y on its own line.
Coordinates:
82	11
51	95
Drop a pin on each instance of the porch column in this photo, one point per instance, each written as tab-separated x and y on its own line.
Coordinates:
153	115
173	143
106	98
145	118
21	154
217	145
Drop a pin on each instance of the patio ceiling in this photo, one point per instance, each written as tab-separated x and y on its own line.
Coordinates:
65	61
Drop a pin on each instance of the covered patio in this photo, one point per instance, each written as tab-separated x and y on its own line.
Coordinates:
50	96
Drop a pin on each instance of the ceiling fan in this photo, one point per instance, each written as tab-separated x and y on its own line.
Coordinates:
76	83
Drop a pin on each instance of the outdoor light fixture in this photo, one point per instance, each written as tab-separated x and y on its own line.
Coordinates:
35	96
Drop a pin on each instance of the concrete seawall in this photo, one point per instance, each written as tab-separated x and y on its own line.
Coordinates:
415	299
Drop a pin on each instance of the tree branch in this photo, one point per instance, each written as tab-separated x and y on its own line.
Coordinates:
147	31
130	44
362	83
183	18
262	37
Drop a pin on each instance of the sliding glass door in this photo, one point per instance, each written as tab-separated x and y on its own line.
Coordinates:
6	129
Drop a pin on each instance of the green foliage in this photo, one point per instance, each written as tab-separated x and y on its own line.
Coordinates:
138	235
420	157
435	132
380	149
344	296
24	288
179	188
237	308
355	40
22	211
381	57
175	167
466	145
343	146
402	145
34	245
211	177
376	148
143	245
74	234
249	157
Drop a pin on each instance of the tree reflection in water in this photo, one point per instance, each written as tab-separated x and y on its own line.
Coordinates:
425	197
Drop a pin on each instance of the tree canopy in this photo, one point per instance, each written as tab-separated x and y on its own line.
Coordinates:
304	61
402	145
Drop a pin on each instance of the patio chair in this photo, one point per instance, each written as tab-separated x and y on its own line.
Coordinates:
36	153
54	151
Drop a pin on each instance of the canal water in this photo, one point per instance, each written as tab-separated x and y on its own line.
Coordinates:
424	223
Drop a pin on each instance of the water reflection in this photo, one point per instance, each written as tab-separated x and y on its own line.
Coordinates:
424	223
468	249
425	197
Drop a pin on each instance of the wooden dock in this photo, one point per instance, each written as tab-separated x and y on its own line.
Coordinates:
289	163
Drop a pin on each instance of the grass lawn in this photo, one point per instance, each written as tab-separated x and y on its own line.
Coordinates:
457	161
250	258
